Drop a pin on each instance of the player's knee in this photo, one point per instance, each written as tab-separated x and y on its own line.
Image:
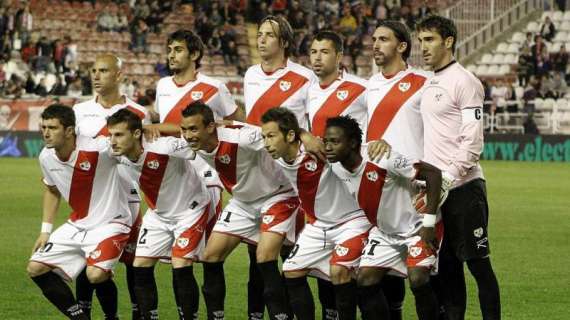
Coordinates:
340	274
35	269
181	263
96	275
418	277
368	277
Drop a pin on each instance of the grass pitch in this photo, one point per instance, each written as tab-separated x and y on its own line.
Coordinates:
529	216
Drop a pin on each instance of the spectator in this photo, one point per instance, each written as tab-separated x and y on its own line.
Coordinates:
24	22
59	88
560	60
231	53
543	64
41	88
123	22
530	93
30	85
215	43
558	85
141	10
138	35
525	67
348	22
547	29
499	96
58	55
528	41
215	16
105	21
381	10
127	88
530	126
75	88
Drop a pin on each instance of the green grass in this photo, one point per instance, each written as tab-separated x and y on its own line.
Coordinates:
528	234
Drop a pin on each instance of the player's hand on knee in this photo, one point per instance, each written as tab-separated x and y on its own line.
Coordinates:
378	149
428	237
41	242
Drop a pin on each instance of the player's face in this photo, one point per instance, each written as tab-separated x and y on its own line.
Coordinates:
324	58
433	46
179	58
337	146
275	142
195	132
123	140
53	133
386	47
105	75
268	43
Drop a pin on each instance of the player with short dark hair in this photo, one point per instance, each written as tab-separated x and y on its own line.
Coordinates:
262	210
85	173
402	241
331	243
452	108
175	223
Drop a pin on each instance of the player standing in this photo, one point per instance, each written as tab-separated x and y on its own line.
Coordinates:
262	210
175	223
452	113
393	97
402	241
85	174
331	243
91	121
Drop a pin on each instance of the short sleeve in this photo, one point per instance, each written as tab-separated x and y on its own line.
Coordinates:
469	94
175	147
399	165
227	104
250	137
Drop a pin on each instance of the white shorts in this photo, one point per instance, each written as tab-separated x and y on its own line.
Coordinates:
398	253
317	249
70	249
182	238
277	214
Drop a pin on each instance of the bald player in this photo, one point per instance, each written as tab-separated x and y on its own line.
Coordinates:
91	121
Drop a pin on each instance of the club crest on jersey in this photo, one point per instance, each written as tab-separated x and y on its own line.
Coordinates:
85	165
95	254
404	86
372	176
478	232
415	251
342	94
225	159
197	95
311	165
267	219
182	242
340	250
284	85
154	164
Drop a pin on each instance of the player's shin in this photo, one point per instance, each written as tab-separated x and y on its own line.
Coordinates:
107	294
274	291
301	298
135	311
427	307
489	297
186	292
214	289
84	292
255	302
59	294
346	300
146	292
372	302
327	299
394	289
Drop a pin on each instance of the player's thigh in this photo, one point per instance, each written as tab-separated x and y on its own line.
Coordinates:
239	220
341	274
219	247
269	246
311	253
368	276
279	215
97	275
103	247
349	240
35	269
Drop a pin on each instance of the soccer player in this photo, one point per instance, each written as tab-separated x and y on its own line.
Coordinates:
402	241
393	97
91	121
85	174
331	243
337	92
262	210
175	222
451	108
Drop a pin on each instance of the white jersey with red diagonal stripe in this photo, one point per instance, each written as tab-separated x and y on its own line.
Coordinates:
172	98
246	170
286	87
394	110
168	180
325	198
91	116
384	192
89	182
345	96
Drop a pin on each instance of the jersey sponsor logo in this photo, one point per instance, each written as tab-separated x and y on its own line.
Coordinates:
267	219
85	165
95	254
154	164
341	251
372	176
284	85
415	251
225	159
197	95
478	232
438	97
182	242
311	165
404	86
342	94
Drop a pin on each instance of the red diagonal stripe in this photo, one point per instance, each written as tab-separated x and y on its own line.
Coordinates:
151	176
227	171
370	191
82	183
308	185
175	114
